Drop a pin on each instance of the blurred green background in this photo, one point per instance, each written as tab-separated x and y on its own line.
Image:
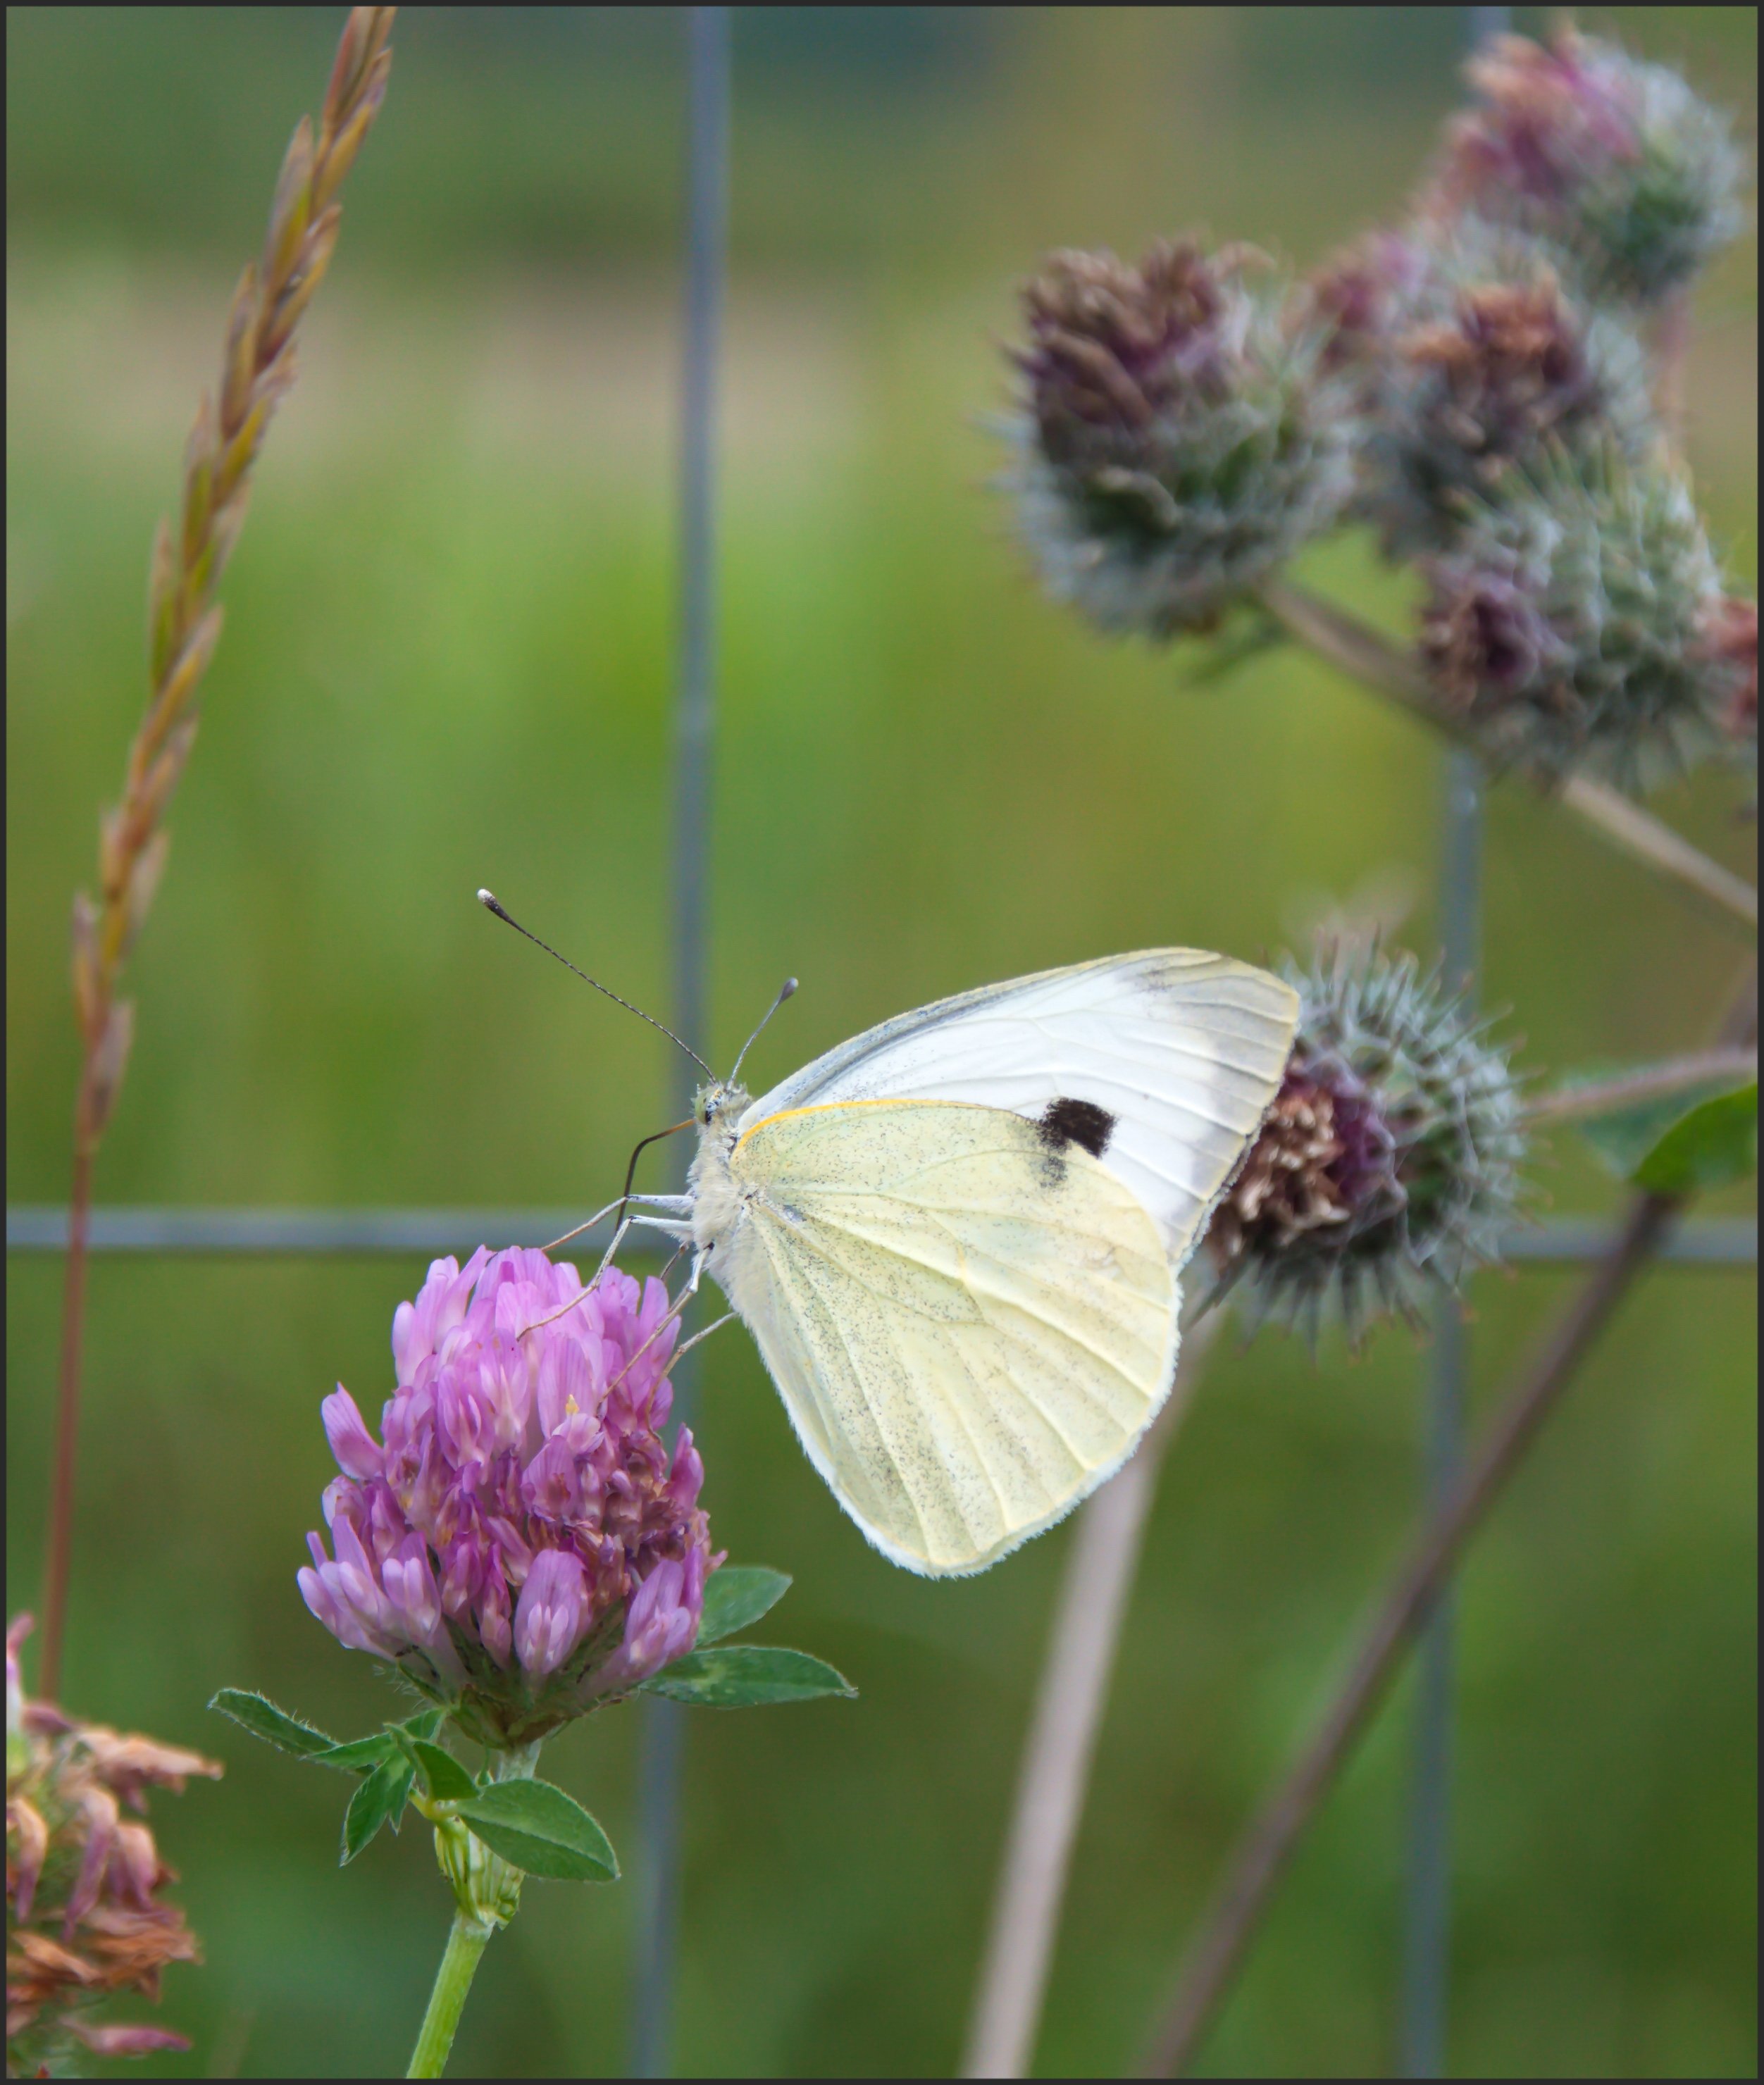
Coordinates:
447	663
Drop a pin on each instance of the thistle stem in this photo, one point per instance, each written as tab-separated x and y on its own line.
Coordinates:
1055	1770
1356	649
1651	1082
1263	1855
465	1944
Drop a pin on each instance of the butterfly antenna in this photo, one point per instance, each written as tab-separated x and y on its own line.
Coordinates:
491	904
784	991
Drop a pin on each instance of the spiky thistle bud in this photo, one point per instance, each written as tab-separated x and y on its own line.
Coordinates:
85	1920
1472	356
1578	623
1618	163
1389	1161
1178	441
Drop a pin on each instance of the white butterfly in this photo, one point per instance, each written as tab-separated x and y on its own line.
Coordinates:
956	1239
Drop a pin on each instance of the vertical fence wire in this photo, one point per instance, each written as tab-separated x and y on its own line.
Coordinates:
1427	1910
707	103
1426	1924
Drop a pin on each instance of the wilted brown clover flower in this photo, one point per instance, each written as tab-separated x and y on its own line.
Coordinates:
1389	1160
85	1921
1179	439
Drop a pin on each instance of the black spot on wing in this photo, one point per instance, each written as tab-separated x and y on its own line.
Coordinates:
1063	1122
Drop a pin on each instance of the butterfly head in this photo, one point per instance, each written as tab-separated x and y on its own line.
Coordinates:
720	1101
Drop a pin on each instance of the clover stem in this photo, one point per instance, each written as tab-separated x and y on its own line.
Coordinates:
465	1942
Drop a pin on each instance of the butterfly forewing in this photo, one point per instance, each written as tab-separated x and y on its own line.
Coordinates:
1181	1051
972	1321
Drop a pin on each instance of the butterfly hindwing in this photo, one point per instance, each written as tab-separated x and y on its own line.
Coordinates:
970	1318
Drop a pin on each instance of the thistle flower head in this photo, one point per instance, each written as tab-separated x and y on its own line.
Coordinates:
520	1542
1580	621
1361	297
85	1920
1178	439
1388	1161
1481	360
1624	170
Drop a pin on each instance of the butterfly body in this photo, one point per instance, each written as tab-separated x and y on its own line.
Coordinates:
957	1239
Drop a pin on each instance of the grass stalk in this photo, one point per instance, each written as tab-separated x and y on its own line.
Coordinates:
1357	650
1055	1771
257	369
1263	1854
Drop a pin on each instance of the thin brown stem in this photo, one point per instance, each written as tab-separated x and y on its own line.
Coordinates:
61	1527
1263	1854
257	369
1360	652
1653	1082
1055	1770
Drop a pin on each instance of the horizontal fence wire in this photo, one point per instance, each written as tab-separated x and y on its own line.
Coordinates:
1559	1242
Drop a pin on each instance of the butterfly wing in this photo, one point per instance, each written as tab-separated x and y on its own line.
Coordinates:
1182	1050
970	1326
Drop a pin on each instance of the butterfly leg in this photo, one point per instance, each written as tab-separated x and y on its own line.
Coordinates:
587	1225
688	1289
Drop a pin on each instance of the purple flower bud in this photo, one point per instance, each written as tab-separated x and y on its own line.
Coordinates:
550	1487
418	1328
687	1474
661	1623
495	1625
465	1422
567	1393
553	1613
523	1497
358	1454
463	1573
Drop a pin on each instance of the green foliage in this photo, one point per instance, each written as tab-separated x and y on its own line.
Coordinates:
274	1726
1713	1146
379	1800
736	1596
542	1831
743	1675
1703	1137
444	1779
